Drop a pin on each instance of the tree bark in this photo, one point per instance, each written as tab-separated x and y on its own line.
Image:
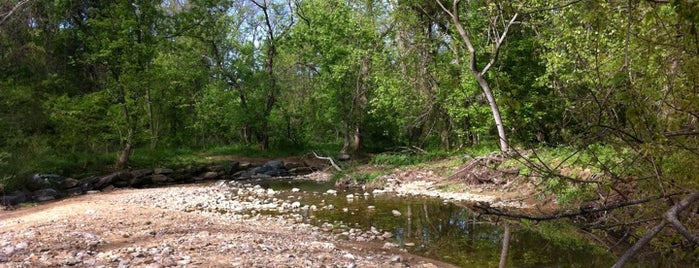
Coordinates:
478	74
504	146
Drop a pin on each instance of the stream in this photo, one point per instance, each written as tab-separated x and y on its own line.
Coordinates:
436	229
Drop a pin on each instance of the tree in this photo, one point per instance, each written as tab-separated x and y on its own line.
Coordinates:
496	17
121	37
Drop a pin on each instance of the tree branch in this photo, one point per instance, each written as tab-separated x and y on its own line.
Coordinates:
671	216
498	43
485	207
329	159
9	13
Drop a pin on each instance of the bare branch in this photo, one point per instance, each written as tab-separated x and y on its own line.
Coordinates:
329	159
671	216
639	244
493	211
5	16
498	43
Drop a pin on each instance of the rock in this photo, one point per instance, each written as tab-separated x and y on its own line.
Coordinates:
293	165
210	175
74	191
232	167
158	178
44	181
371	207
389	245
104	181
108	188
271	168
70	183
275	164
378	191
44	195
162	171
14	198
396	213
331	191
141	173
216	168
294	190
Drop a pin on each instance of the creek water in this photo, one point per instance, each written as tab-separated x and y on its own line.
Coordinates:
439	230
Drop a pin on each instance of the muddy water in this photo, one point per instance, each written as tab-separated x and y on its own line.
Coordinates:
437	229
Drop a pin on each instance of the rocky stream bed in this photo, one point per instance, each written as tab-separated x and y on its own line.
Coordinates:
194	225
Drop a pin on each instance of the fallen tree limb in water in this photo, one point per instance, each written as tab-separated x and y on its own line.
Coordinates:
328	159
669	217
487	209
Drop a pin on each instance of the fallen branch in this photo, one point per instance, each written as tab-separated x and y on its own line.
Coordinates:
329	159
485	207
669	216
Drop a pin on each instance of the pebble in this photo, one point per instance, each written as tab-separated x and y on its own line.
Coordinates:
396	213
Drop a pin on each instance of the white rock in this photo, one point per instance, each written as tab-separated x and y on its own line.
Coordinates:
296	204
396	213
295	190
378	191
350	196
331	191
371	207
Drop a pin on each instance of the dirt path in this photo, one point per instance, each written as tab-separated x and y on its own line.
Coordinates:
151	228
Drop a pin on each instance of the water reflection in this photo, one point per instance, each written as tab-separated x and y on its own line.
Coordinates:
443	231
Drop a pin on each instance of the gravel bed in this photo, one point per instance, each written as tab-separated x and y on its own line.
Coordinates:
216	225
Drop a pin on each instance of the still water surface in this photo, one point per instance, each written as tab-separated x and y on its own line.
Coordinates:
442	230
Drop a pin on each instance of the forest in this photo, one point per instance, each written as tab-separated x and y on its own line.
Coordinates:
87	83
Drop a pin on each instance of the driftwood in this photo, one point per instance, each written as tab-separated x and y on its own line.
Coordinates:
472	174
328	159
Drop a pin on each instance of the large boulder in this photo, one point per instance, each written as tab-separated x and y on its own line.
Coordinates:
158	178
271	168
106	180
14	199
44	194
44	181
163	171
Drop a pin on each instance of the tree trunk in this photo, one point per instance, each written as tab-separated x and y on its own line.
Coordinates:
505	246
358	139
123	159
504	146
151	123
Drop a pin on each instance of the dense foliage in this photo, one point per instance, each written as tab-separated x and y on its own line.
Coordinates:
614	81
